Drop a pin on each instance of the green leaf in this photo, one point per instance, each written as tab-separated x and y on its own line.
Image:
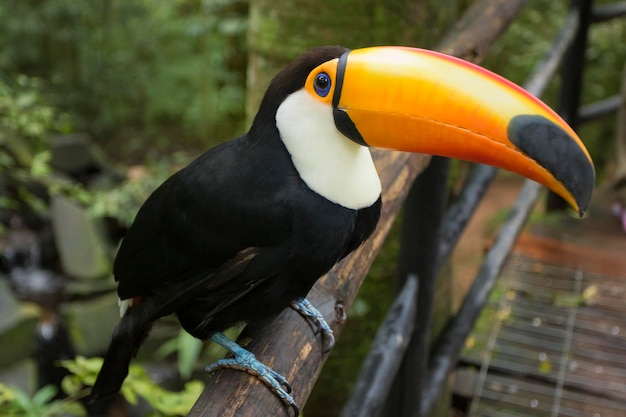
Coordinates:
44	395
188	352
67	408
21	400
80	365
40	165
72	384
167	348
85	369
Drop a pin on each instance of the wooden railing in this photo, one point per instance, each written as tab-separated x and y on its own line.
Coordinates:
287	344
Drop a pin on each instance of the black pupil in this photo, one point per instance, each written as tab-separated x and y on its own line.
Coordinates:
322	81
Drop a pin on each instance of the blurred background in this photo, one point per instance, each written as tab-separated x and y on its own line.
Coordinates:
100	101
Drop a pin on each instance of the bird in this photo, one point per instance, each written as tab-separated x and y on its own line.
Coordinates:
246	229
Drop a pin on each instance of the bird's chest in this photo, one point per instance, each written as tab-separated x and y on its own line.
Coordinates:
324	232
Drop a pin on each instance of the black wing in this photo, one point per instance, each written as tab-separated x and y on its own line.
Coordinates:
226	201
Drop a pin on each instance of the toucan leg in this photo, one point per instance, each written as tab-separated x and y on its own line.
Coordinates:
244	360
316	320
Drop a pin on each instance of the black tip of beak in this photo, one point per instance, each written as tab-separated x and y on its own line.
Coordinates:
554	149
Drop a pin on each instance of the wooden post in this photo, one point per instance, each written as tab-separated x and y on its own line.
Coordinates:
572	81
381	365
619	178
419	246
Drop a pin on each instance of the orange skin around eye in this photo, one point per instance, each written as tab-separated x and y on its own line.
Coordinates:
330	68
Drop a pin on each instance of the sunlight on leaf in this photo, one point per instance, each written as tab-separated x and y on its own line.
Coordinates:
137	384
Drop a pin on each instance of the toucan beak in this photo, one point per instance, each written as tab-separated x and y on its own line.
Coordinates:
421	101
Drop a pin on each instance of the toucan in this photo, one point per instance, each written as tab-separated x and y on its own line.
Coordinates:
247	228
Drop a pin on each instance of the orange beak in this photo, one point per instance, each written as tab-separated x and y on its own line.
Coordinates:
421	101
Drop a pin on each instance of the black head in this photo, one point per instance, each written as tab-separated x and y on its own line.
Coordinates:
292	78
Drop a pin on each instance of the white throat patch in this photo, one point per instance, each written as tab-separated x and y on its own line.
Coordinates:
329	163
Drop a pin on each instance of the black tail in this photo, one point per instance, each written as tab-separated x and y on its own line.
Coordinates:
124	345
134	327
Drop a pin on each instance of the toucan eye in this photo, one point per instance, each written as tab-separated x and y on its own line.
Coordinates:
322	84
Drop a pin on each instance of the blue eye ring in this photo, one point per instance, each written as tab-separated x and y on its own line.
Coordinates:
322	84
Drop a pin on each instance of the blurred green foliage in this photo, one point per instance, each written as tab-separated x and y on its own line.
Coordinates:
141	77
136	385
145	66
148	76
187	349
15	403
122	202
26	119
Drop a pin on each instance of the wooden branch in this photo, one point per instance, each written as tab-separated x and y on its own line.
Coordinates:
606	12
287	343
480	26
599	108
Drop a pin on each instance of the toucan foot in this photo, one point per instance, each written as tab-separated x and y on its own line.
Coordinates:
317	322
244	360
